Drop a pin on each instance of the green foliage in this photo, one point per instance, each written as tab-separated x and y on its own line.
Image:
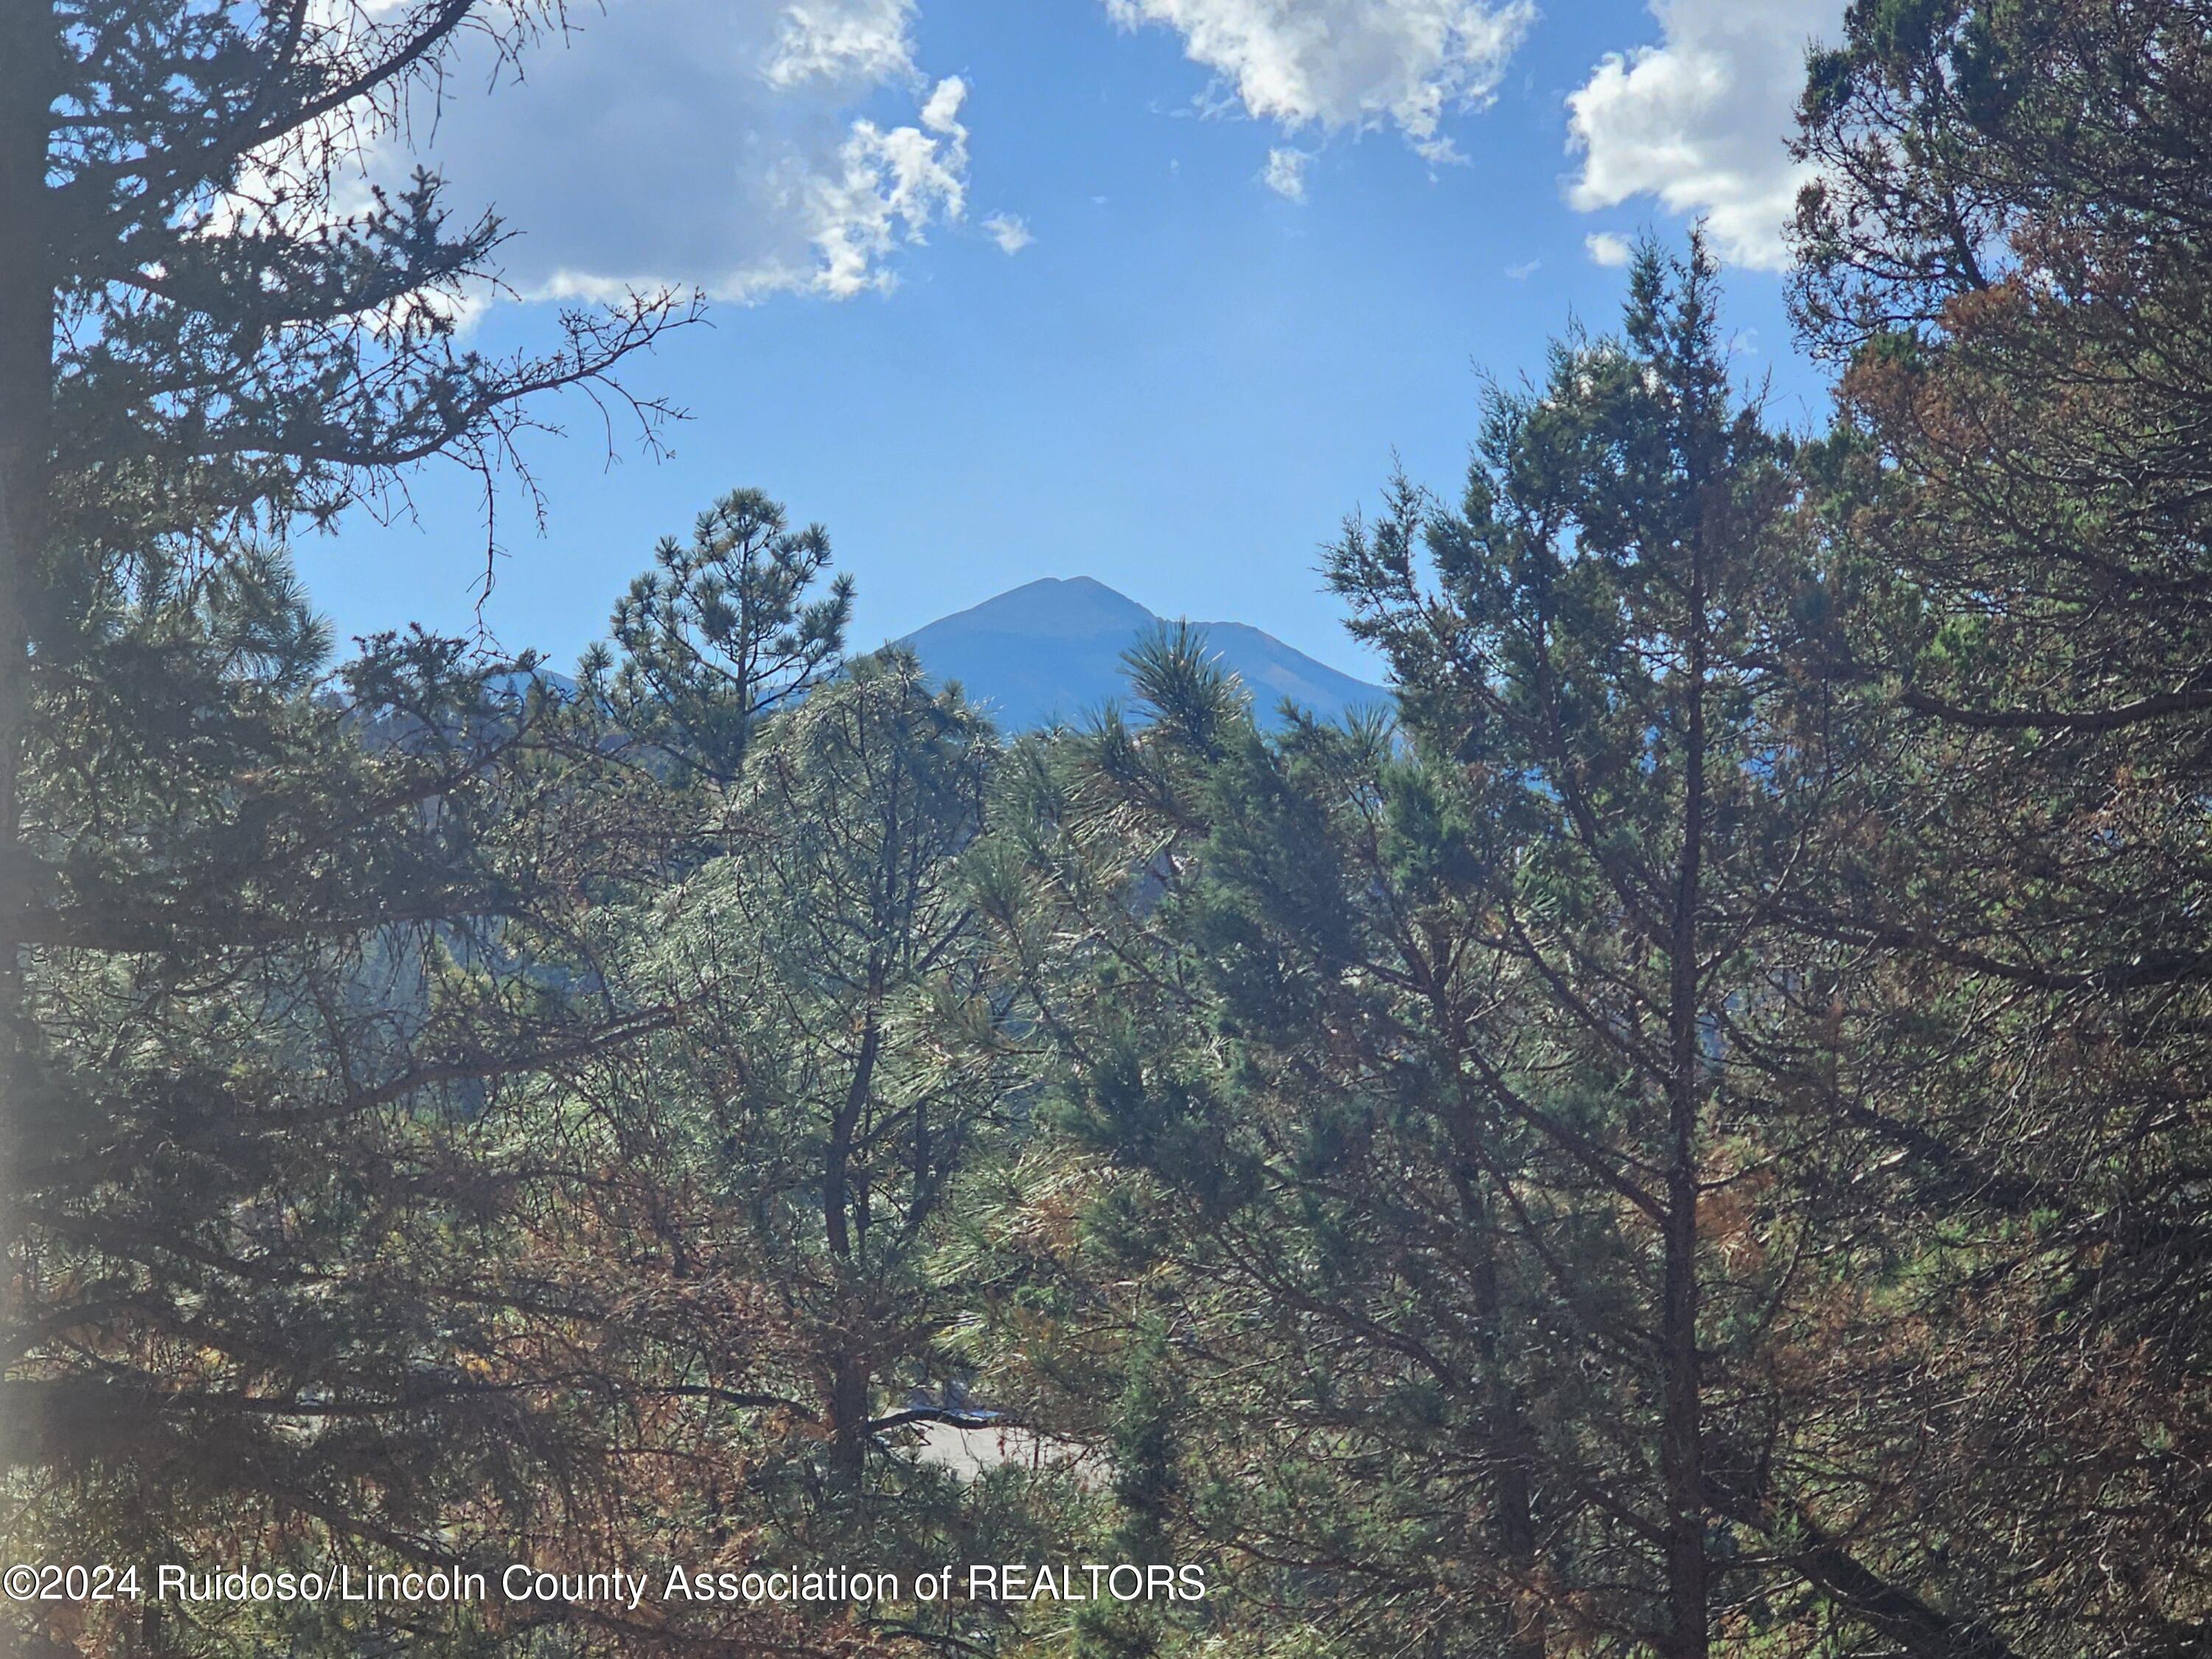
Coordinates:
1690	1139
2008	252
265	1020
1421	1059
281	1045
720	632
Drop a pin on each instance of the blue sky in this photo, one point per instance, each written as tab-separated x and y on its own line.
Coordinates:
1149	290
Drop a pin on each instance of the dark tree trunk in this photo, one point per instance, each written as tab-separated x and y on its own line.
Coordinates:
849	1377
837	1162
29	62
848	1418
1890	1610
1682	1459
1512	1454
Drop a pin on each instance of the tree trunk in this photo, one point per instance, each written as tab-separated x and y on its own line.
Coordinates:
1511	1453
848	1377
29	60
849	1418
1889	1609
1681	1431
844	1124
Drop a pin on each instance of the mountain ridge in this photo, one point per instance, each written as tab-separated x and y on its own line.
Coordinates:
1050	651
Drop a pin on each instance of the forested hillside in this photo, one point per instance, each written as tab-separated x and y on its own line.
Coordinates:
1689	1132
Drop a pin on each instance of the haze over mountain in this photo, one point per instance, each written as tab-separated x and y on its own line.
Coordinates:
1052	650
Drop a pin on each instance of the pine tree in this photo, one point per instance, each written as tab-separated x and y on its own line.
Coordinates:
720	634
261	973
1462	1095
1602	661
821	1122
842	1072
201	343
2006	254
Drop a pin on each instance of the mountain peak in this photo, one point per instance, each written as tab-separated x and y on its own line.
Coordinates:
1051	650
1057	607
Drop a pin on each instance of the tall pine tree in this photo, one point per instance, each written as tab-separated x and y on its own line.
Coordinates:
259	927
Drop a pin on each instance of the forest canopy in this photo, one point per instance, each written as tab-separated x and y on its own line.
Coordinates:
1691	1134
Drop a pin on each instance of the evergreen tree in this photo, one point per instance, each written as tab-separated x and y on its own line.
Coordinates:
1608	657
266	1293
1463	1096
826	1114
846	1064
1603	662
720	632
2006	254
264	998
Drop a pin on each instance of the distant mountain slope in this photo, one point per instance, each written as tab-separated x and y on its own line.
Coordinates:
1052	650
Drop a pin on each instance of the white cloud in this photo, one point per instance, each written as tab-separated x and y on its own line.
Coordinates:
888	187
1523	271
941	113
1605	248
742	146
1348	65
830	40
1699	121
1285	173
1009	231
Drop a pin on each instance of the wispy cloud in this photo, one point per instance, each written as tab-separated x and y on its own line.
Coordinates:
838	39
1285	173
889	187
1343	65
1009	231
